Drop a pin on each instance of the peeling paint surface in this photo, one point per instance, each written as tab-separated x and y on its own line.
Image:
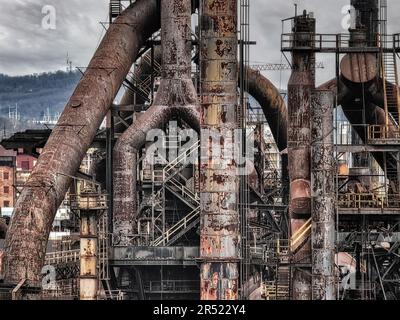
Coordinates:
323	197
176	96
219	182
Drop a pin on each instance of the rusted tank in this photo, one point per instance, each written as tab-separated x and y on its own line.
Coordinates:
323	196
36	207
176	96
219	180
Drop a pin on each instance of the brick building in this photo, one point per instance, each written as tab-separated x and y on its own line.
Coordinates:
8	159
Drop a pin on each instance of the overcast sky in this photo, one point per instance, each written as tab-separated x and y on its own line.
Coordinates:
26	47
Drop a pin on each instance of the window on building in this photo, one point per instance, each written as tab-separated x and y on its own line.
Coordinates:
25	165
6	189
6	204
6	176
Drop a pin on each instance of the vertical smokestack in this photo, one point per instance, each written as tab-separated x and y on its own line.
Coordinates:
367	17
300	86
322	185
219	182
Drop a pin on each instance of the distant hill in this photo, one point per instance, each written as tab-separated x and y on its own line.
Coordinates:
36	94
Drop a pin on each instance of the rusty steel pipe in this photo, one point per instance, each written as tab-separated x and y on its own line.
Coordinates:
43	193
176	96
323	196
219	181
259	87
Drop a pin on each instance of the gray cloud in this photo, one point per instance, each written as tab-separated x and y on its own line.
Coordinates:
25	47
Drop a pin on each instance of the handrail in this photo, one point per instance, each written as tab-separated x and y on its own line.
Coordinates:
369	200
182	224
319	41
181	157
185	191
383	133
300	233
62	256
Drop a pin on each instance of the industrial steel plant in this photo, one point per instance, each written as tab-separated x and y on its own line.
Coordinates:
206	181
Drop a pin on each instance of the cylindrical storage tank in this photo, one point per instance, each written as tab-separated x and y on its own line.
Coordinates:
323	197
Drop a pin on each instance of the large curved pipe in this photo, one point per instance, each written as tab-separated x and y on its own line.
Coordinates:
259	87
43	193
352	105
176	96
272	104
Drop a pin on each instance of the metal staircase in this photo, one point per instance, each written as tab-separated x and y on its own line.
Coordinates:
391	85
278	258
179	229
300	236
389	70
171	179
141	82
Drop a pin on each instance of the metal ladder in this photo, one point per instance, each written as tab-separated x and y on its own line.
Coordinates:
391	84
279	289
115	9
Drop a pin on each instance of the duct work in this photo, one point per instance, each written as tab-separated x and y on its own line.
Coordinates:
259	87
176	96
360	88
323	197
219	181
60	159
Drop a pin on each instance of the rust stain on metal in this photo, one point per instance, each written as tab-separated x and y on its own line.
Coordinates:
300	86
36	207
323	197
219	222
176	96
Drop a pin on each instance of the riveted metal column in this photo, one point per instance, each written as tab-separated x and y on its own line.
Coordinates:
323	197
88	276
300	86
219	181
